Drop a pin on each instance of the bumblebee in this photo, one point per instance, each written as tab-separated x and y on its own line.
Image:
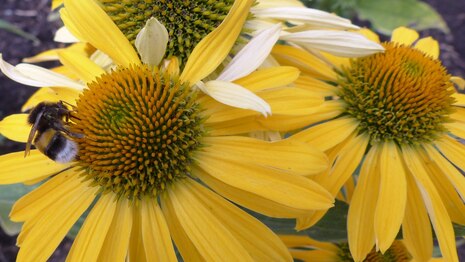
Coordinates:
50	132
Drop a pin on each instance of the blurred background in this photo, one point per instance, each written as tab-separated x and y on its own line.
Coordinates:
27	27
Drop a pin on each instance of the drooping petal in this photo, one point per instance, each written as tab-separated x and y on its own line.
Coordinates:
234	95
276	3
259	241
403	35
32	75
326	135
97	28
136	248
316	86
264	190
429	46
252	55
416	228
454	176
155	233
151	42
360	220
210	237
294	156
304	61
15	168
309	16
437	212
451	199
392	199
452	150
80	64
89	241
344	160
55	220
340	43
269	78
15	127
287	101
214	48
115	245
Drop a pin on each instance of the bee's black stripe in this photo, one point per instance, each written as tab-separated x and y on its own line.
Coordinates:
57	144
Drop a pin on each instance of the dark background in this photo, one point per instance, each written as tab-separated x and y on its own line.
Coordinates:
33	16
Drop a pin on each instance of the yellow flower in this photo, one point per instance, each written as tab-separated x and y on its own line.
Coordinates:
156	162
306	249
189	22
397	117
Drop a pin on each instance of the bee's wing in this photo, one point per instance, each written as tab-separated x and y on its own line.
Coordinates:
32	133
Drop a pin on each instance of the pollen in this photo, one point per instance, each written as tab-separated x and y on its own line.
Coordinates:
140	130
401	95
187	22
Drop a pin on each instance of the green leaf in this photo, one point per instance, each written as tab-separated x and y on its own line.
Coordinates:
9	194
332	227
386	15
16	30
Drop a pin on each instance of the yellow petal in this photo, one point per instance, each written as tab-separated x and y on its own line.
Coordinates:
458	114
259	241
155	233
304	61
81	65
343	162
369	34
269	78
450	198
209	236
97	28
454	176
314	85
403	35
214	48
328	110
392	198
360	220
452	150
456	128
89	241
326	135
14	168
460	82
263	190
416	228
459	99
15	127
429	46
116	243
136	250
283	101
437	212
54	222
294	156
51	94
33	204
234	127
56	4
314	255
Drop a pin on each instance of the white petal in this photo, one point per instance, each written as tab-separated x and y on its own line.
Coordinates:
338	43
103	60
252	55
37	76
234	95
305	15
278	3
63	35
151	42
